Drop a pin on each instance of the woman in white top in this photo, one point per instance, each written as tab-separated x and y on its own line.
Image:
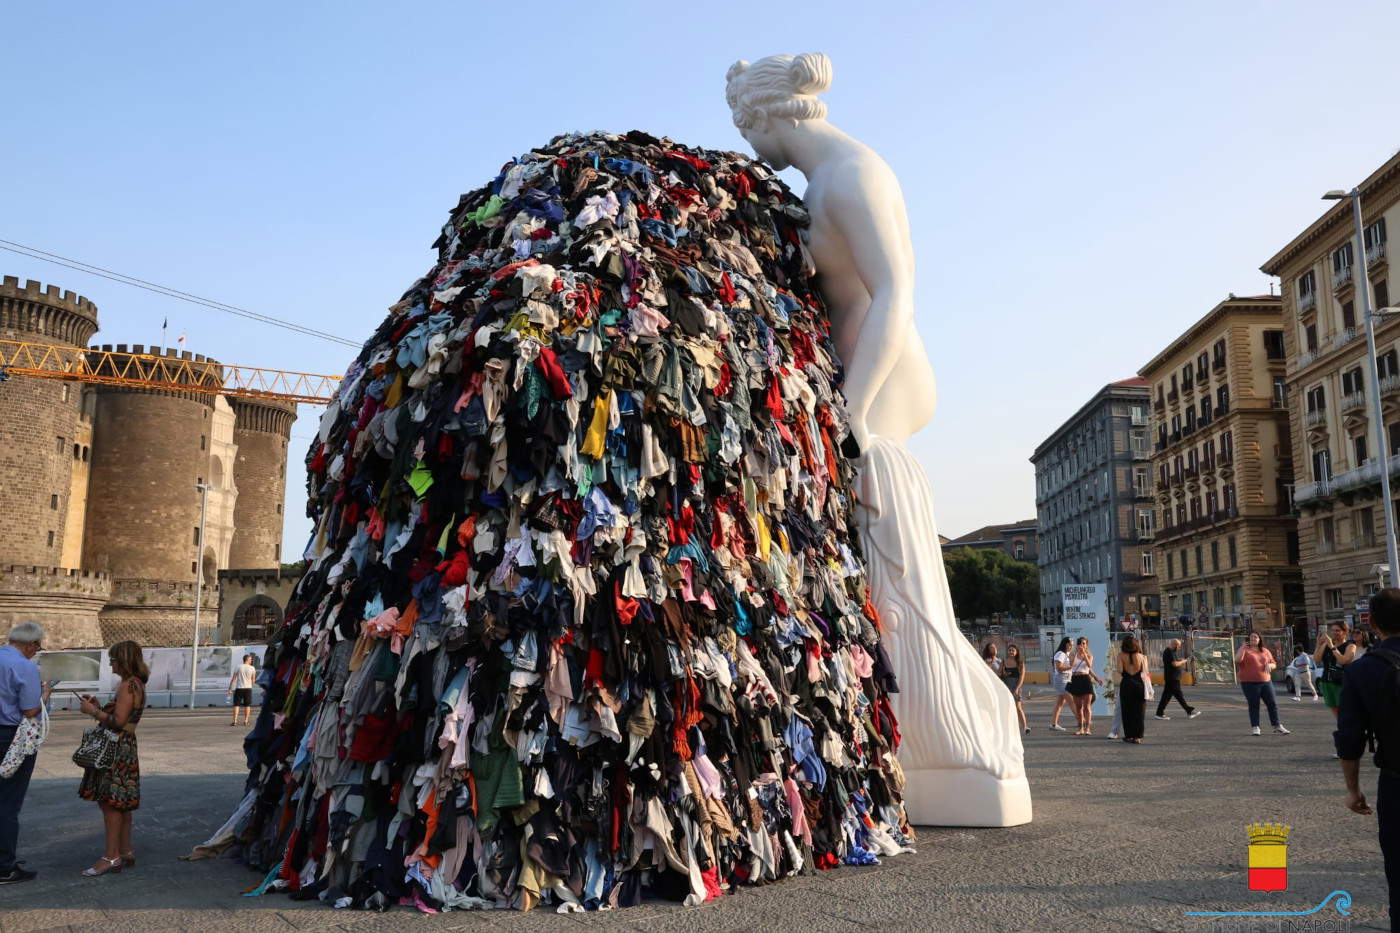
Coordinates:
1059	679
1082	678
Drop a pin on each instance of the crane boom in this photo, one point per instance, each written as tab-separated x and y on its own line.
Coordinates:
106	366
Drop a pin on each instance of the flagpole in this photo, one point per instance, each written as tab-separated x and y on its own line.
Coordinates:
165	322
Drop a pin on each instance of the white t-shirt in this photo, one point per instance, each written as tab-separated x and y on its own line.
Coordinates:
1061	658
243	677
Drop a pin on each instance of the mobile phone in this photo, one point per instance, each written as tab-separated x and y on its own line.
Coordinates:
52	683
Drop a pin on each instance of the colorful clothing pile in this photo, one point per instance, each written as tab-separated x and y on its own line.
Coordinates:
585	617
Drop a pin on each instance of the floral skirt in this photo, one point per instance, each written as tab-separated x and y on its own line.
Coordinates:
119	786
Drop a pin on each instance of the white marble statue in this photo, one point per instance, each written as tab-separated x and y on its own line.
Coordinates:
961	753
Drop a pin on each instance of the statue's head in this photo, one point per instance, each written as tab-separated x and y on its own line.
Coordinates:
771	96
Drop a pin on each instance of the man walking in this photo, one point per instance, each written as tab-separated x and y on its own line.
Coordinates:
1171	681
1370	700
21	696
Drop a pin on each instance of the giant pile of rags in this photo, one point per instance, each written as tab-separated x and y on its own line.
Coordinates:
585	618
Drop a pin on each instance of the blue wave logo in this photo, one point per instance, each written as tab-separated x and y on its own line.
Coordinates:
1342	904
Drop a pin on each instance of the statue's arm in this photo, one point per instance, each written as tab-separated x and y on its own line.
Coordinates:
867	214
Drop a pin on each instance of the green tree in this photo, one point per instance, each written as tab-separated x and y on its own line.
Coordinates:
988	581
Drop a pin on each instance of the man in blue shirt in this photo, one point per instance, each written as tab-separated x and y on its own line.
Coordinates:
21	696
1369	708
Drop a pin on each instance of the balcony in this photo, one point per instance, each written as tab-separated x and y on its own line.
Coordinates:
1390	385
1227	457
1139	418
1145	534
1159	405
1222	409
1375	253
1191	472
1142	492
1172	396
1353	401
1218	364
1368	472
1344	338
1341	278
1306	302
1308	357
1315	417
1224	515
1141	452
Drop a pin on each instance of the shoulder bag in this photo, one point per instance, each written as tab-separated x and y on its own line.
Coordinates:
28	737
97	748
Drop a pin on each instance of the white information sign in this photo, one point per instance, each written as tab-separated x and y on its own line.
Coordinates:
1086	616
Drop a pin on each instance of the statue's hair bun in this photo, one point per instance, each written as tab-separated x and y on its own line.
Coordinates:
811	72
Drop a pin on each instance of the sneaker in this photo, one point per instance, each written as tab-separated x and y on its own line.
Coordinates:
1297	699
1056	727
17	875
1193	714
1316	698
1028	730
1113	735
1254	731
1280	730
1163	718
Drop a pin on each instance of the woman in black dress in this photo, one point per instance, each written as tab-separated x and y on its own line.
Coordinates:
1132	691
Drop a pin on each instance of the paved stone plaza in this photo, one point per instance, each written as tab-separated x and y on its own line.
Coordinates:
1125	838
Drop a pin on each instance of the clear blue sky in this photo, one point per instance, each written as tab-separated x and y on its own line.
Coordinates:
1084	180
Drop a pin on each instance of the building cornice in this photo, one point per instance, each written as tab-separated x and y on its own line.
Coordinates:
1107	393
1264	306
1335	216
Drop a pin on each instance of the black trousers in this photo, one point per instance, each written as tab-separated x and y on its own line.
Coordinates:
12	790
1169	691
1388	818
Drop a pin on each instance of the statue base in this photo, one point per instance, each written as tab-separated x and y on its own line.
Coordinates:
965	797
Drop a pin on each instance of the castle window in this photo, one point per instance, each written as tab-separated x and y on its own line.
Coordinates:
53	501
61	444
194	567
202	441
50	539
196	536
279	508
85	454
66	388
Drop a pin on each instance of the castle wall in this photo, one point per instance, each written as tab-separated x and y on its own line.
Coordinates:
66	603
40	420
159	612
261	432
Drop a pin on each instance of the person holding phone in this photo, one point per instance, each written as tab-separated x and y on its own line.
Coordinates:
21	698
1059	679
1254	665
240	688
1082	678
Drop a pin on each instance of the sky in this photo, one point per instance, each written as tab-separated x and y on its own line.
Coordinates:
1083	180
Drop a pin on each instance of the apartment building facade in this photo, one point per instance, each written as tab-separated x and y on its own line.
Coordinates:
1341	522
1225	541
1093	479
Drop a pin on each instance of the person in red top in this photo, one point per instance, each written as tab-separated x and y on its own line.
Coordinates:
1254	665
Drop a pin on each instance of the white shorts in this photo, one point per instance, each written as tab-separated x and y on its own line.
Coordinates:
1061	685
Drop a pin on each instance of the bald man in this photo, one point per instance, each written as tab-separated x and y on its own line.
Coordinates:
1172	663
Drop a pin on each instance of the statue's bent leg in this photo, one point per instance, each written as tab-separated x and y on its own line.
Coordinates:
961	749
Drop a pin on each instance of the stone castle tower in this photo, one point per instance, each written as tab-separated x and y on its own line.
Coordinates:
107	479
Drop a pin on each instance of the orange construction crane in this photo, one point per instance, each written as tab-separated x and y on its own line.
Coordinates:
168	370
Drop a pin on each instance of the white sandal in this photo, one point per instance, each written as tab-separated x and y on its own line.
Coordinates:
114	865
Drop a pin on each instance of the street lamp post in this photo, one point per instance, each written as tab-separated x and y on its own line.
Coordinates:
1363	290
198	586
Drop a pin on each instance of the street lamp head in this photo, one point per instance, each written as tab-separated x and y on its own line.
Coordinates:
1336	194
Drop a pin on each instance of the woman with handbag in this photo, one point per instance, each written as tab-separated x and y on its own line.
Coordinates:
113	776
1334	652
